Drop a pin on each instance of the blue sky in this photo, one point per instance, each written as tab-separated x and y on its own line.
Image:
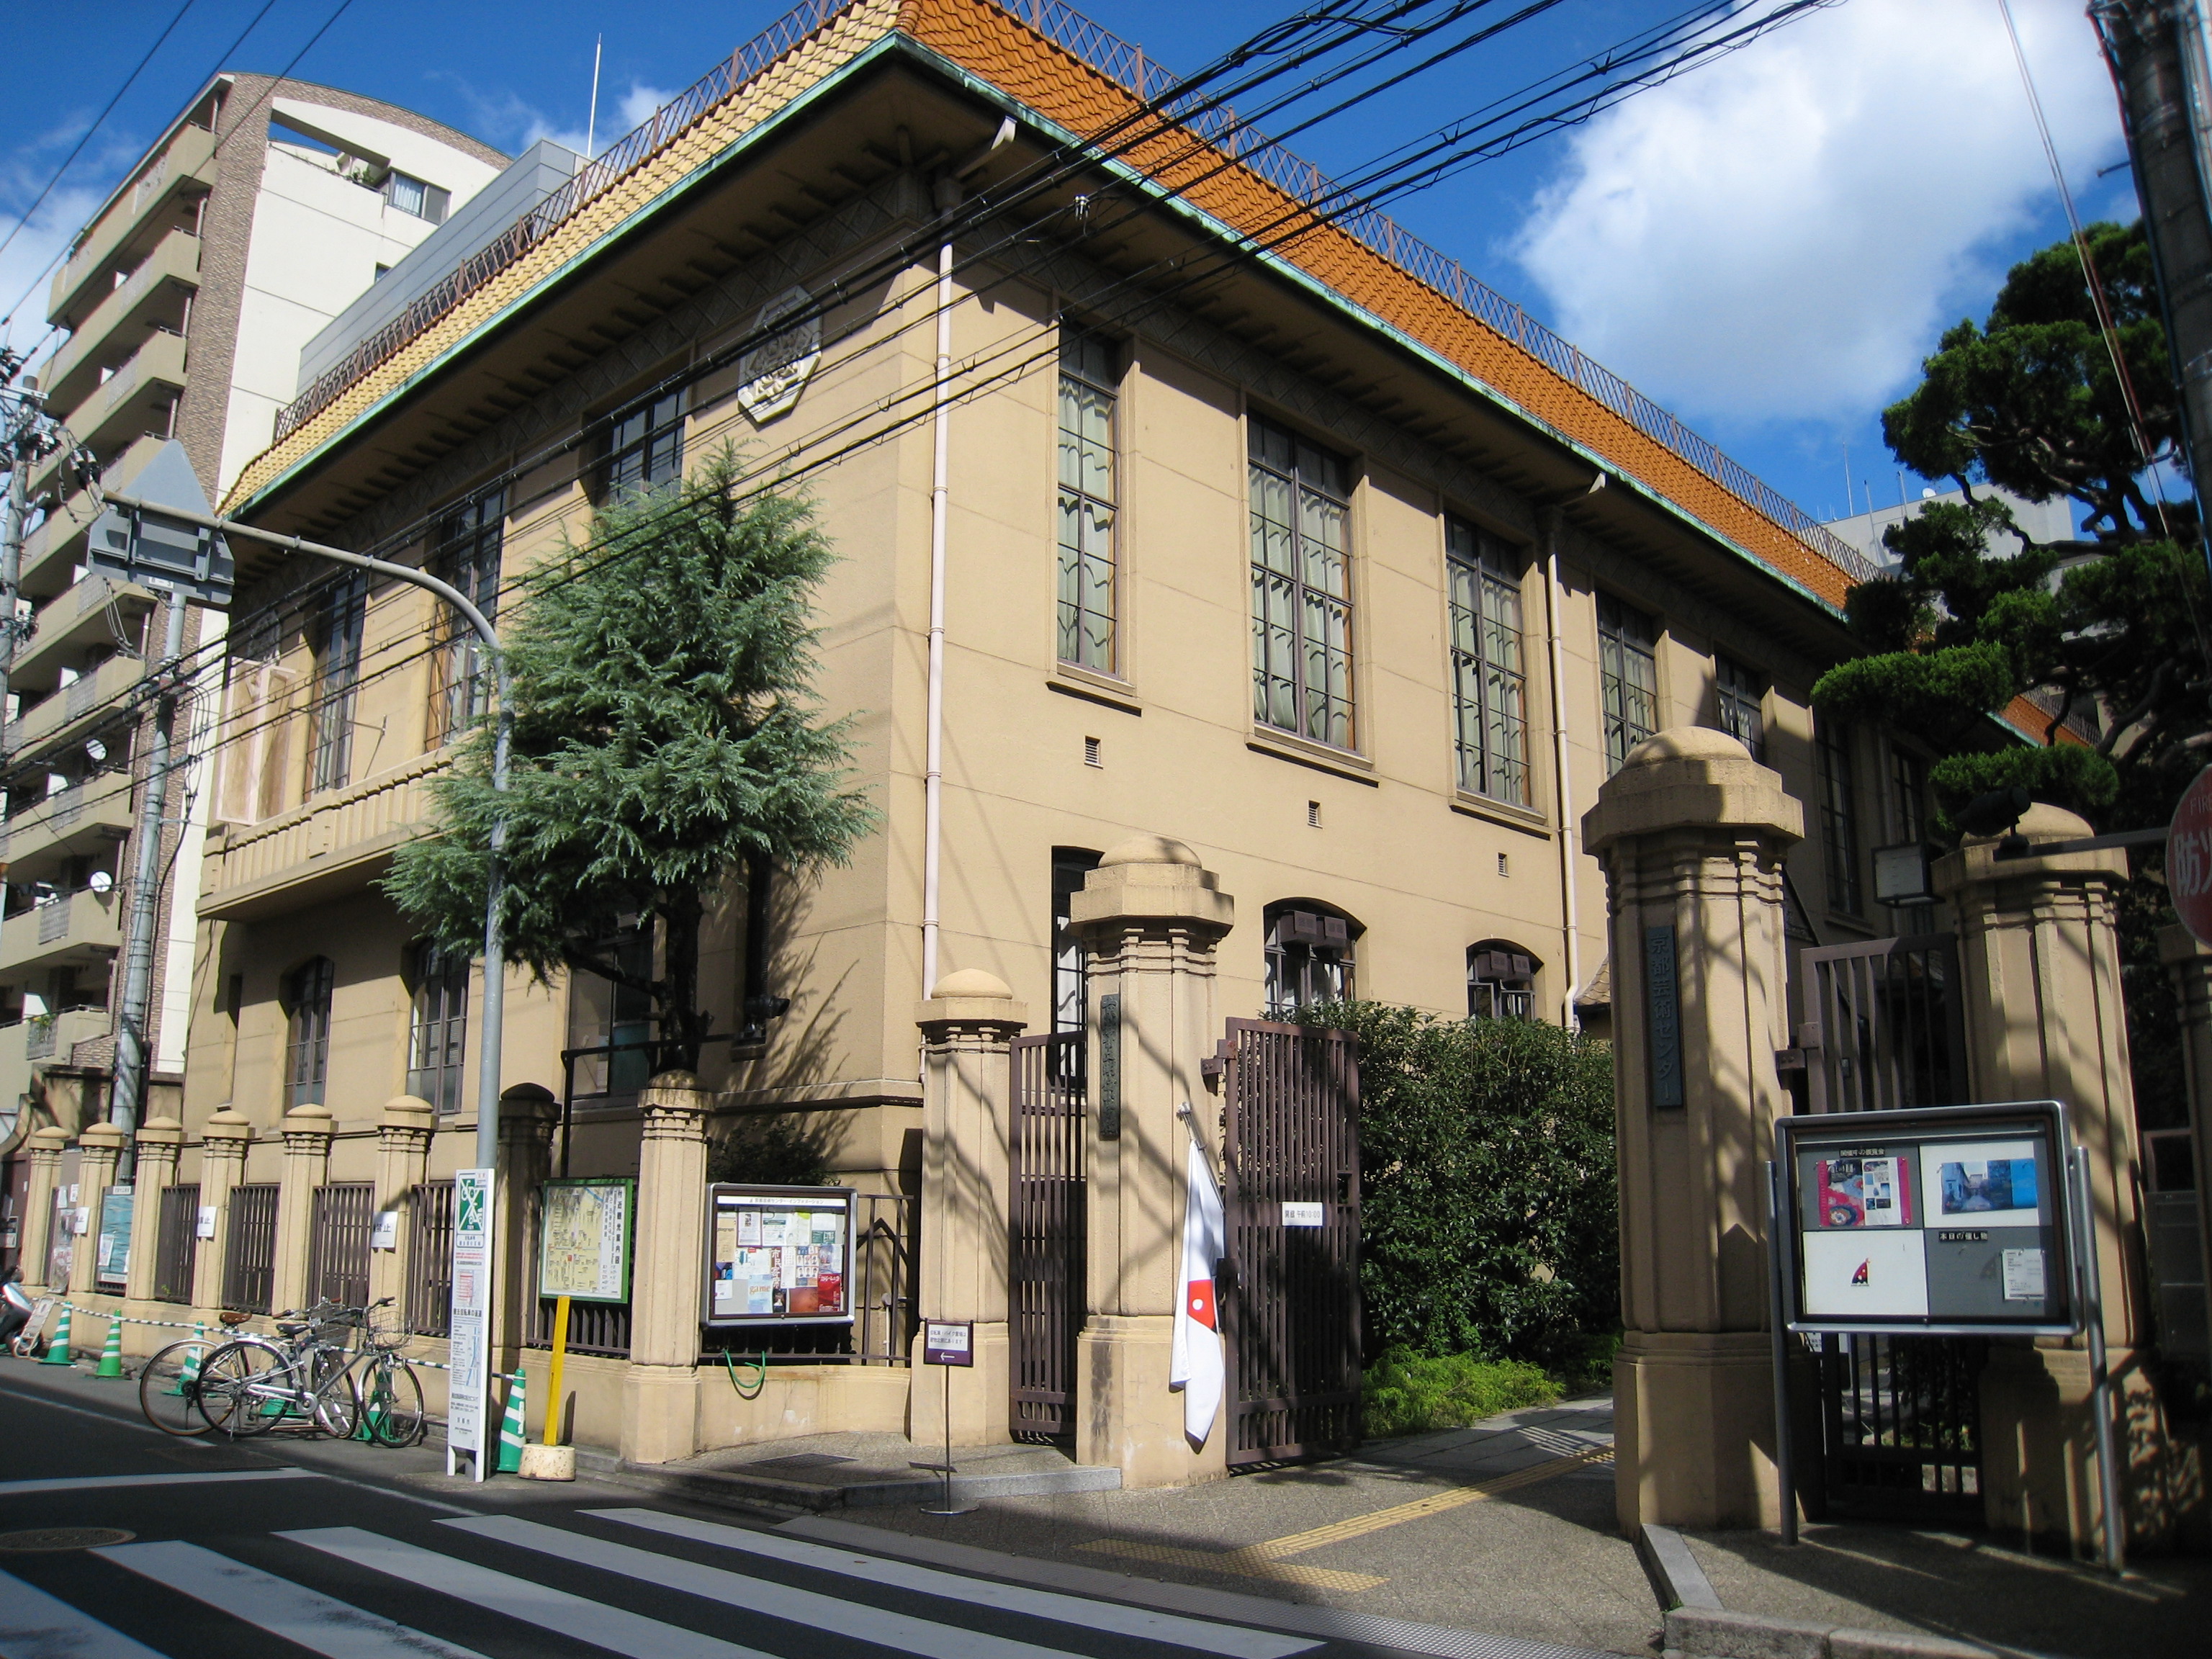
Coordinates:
1767	245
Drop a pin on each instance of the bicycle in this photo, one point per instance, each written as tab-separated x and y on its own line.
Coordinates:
389	1394
251	1383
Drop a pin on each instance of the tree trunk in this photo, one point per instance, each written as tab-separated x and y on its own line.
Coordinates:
684	1023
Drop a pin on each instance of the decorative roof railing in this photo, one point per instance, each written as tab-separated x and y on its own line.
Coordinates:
1125	65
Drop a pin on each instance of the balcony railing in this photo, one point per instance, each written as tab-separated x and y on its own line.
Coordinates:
188	155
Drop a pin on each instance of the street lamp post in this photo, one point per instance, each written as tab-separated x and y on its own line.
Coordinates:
494	993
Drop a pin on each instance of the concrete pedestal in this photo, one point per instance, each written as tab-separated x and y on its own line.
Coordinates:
660	1393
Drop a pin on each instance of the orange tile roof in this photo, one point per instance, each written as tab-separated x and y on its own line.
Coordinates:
1071	73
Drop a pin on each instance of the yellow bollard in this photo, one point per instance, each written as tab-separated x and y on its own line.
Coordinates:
552	1435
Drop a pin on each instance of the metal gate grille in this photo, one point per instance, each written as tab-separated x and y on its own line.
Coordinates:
1046	1232
430	1259
1288	1295
338	1251
1900	1416
177	1247
249	1260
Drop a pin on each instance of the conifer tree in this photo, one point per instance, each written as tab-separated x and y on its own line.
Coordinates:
665	737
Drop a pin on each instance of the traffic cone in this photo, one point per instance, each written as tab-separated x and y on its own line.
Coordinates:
511	1436
190	1373
58	1344
111	1355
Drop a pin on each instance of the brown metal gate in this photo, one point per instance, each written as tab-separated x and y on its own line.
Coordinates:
1046	1232
1900	1416
338	1251
177	1244
249	1256
1289	1291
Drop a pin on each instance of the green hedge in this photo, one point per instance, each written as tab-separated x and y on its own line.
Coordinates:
1407	1393
1489	1220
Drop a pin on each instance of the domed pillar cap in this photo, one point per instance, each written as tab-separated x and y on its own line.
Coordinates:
675	1092
535	1100
104	1137
1976	860
227	1123
161	1131
408	1112
970	996
1692	777
51	1139
308	1119
1152	879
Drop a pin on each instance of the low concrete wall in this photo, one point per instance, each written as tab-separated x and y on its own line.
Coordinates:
794	1400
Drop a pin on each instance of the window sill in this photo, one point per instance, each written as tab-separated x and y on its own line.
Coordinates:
1073	681
1322	758
1858	925
1525	819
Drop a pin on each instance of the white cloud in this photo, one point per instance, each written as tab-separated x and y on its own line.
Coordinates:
640	105
1785	233
507	118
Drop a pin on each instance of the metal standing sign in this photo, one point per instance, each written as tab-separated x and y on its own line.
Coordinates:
584	1238
472	1316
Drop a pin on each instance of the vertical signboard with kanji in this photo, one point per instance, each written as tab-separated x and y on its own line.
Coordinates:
471	1318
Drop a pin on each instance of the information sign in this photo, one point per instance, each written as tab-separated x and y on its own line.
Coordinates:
472	1316
1949	1220
947	1342
111	1262
779	1255
584	1239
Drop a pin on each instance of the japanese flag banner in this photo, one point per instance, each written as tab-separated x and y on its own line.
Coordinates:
1194	1363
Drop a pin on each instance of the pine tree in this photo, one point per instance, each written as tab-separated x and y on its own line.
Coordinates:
666	734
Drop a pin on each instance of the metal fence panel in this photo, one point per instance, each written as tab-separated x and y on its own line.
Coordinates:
249	1267
429	1309
1046	1232
337	1250
177	1248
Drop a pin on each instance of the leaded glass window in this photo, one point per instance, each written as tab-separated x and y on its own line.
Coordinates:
1628	667
1301	587
1088	494
1490	692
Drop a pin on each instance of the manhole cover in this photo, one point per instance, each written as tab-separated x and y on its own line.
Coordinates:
63	1538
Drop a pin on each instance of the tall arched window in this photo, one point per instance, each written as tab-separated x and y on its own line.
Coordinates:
1310	956
1501	982
307	1031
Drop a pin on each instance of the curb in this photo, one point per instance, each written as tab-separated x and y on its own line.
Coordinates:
765	1493
1714	1633
1676	1576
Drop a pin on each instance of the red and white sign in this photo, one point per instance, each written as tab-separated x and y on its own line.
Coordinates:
2189	858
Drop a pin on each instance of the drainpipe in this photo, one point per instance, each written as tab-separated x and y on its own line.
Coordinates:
1554	606
948	193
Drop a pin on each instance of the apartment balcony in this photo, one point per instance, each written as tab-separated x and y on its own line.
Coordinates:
82	929
45	1039
53	550
67	630
187	162
334	845
154	293
81	820
67	715
120	404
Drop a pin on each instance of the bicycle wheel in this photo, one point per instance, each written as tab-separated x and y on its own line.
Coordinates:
392	1403
169	1389
243	1387
337	1405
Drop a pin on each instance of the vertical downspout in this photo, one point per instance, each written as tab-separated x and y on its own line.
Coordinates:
1554	606
939	508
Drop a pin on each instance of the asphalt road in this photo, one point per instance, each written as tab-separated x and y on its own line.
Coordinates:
117	1542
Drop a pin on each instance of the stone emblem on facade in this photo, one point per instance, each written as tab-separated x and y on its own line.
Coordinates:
773	372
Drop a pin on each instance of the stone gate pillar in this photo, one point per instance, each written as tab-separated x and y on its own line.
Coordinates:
660	1393
1691	832
1151	917
527	1114
160	1142
2189	970
2039	950
403	1162
100	1147
307	1131
36	1236
223	1140
968	1027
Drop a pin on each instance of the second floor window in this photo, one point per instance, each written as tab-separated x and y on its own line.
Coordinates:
1490	694
337	675
1628	670
1301	587
307	1031
1087	498
1740	696
645	445
438	1027
467	557
1839	820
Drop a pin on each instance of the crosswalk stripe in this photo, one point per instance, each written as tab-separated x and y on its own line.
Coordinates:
317	1623
123	1482
884	1628
1233	1641
630	1634
36	1626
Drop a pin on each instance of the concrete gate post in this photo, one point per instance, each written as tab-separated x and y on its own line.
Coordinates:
2039	950
160	1143
1151	917
1691	832
660	1394
528	1113
968	1028
37	1235
99	1148
223	1140
307	1131
403	1162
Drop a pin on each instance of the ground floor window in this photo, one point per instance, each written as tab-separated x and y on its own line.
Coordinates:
1309	958
1501	982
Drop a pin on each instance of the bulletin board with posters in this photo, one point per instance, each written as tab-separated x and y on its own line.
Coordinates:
1951	1221
778	1255
584	1237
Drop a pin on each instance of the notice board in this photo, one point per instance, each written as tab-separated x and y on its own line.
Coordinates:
779	1255
1951	1220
